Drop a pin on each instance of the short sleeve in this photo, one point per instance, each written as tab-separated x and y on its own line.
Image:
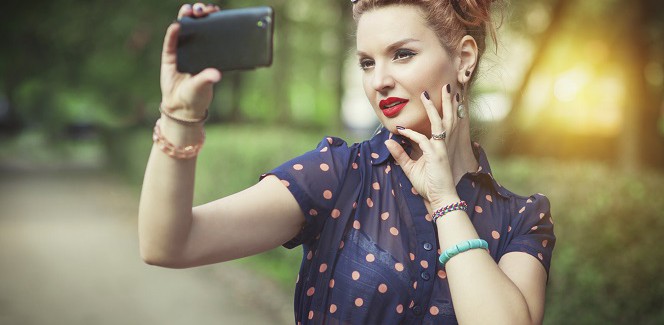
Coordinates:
314	179
533	230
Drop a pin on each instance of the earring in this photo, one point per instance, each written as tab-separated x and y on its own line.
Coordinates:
461	109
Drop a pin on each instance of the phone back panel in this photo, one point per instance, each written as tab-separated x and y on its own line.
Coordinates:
234	39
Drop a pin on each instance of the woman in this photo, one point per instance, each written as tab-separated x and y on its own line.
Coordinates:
386	235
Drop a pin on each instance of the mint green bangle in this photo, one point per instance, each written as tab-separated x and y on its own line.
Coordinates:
461	247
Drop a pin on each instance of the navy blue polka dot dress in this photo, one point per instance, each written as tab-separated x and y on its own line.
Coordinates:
370	248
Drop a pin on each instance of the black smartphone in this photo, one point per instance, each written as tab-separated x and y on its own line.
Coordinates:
233	39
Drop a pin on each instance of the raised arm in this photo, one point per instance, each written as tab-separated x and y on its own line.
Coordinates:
171	232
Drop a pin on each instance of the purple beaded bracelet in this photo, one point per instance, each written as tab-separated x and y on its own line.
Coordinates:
461	205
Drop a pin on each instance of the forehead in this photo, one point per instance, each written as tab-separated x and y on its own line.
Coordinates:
384	25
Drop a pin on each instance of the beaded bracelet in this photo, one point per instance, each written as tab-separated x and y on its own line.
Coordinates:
174	151
183	120
461	205
461	247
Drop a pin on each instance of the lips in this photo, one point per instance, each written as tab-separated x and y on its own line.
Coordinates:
391	106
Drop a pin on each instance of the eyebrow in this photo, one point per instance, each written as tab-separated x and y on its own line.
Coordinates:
392	46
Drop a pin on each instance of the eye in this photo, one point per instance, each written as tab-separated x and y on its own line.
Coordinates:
366	64
402	54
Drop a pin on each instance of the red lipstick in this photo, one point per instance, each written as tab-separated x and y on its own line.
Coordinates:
391	106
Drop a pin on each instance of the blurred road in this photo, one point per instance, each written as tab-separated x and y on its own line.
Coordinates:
69	255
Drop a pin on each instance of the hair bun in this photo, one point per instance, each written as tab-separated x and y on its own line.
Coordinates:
473	12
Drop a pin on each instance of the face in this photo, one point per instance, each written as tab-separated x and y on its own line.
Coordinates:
401	57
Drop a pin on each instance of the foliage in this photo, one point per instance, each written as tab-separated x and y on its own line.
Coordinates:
98	62
606	266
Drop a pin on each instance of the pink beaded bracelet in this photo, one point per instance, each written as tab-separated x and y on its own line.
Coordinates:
461	205
186	152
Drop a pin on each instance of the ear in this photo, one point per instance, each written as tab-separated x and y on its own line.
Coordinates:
467	59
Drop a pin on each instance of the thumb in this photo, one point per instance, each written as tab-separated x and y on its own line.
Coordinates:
398	153
209	75
201	82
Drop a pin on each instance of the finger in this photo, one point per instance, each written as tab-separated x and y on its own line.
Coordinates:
210	8
448	111
199	9
185	10
399	154
421	140
432	112
169	51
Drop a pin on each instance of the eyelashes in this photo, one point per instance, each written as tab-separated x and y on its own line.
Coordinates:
399	55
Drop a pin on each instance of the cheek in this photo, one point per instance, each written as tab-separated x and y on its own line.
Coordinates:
368	89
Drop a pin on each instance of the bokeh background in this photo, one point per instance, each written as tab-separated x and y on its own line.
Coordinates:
569	103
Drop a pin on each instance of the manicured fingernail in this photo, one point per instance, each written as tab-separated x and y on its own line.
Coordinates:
426	94
400	128
448	88
457	97
199	8
467	73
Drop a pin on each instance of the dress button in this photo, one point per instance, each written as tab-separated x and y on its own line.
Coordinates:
428	246
425	276
417	310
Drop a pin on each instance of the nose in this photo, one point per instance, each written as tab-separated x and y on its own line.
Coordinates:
382	79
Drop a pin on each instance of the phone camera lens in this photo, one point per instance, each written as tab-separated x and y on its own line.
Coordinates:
264	22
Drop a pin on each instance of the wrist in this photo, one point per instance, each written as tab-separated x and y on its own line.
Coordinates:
456	206
443	201
180	134
183	115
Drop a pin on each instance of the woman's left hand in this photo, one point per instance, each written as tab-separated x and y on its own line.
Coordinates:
431	174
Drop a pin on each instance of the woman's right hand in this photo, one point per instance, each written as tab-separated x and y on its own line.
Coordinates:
183	94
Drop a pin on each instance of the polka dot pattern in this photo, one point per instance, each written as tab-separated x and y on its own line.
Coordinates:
382	288
359	302
368	235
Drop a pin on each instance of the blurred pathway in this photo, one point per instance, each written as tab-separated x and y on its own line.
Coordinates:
69	255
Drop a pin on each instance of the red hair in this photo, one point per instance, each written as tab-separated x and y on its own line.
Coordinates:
451	20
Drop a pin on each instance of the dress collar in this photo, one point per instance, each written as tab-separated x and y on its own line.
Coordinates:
380	155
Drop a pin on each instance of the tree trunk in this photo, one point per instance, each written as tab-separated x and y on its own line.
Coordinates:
641	142
509	128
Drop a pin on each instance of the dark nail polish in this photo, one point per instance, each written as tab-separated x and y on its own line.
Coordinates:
467	73
400	128
448	88
426	94
199	8
457	97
